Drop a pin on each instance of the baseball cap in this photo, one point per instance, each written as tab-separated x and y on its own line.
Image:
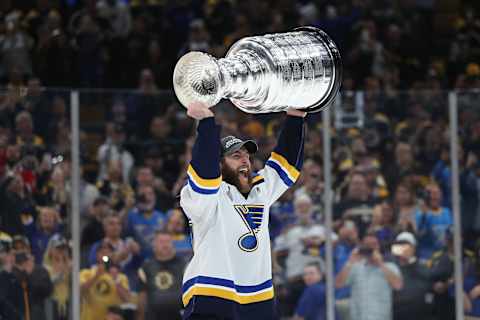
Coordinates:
20	238
58	241
230	144
406	237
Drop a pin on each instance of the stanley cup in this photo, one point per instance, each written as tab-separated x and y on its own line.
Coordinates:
299	69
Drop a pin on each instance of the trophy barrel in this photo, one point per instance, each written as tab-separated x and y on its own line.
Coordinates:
262	74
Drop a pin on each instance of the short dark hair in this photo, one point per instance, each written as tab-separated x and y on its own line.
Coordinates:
316	265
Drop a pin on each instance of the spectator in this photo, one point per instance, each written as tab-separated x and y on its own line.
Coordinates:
415	299
369	276
47	225
405	207
25	131
102	286
161	281
123	250
58	262
144	220
472	285
312	184
6	257
357	204
282	214
24	289
21	243
114	187
15	45
113	149
442	266
15	203
176	226
347	241
432	222
301	245
312	304
145	177
383	223
93	230
405	164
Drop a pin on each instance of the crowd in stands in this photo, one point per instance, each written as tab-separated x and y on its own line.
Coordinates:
393	238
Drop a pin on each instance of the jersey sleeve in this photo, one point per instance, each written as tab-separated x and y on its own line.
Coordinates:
283	167
198	197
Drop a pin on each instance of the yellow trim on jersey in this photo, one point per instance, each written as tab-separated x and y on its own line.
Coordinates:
257	178
226	294
201	182
287	167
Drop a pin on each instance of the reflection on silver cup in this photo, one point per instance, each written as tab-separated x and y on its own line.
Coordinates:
300	69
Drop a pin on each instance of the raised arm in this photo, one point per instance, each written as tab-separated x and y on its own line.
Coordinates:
198	197
283	167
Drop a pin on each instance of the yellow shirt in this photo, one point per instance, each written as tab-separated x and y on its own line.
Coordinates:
101	295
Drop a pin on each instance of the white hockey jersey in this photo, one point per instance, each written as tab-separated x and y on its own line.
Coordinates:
231	243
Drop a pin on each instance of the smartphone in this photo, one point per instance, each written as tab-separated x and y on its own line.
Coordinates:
21	257
398	249
106	262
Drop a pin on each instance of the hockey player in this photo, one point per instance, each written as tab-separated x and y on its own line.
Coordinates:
230	275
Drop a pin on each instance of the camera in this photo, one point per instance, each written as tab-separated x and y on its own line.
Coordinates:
365	251
107	262
424	195
21	257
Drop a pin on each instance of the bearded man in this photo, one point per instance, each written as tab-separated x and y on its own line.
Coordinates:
230	274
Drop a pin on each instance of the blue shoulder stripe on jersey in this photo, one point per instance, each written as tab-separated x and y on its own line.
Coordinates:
200	189
225	283
283	175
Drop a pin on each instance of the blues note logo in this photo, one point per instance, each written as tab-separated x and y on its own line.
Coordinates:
252	216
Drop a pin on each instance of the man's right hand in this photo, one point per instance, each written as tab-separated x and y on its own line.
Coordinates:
199	111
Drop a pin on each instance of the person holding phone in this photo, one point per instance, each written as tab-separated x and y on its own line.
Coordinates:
103	285
24	288
372	281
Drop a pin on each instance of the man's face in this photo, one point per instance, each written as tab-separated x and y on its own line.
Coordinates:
149	198
163	245
48	219
371	242
357	188
145	176
311	275
112	227
237	170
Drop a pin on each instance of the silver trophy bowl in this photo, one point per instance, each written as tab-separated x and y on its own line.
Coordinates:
270	73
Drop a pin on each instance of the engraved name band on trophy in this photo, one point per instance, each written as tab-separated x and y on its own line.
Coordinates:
300	69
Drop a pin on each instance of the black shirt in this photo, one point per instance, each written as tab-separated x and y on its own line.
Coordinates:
162	281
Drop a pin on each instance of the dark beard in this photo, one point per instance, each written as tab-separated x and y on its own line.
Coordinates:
231	176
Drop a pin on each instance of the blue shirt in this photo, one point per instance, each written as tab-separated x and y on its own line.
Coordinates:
432	231
312	303
341	254
142	228
281	215
39	240
471	282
